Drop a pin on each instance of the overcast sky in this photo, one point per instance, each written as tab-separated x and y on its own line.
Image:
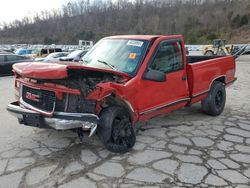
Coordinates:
17	9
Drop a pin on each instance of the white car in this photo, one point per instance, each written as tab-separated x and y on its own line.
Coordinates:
53	57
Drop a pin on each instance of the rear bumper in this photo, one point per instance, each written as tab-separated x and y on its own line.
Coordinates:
59	120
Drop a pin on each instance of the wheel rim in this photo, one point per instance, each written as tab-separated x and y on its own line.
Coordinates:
121	133
219	99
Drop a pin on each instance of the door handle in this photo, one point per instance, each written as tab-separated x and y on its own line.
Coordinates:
184	78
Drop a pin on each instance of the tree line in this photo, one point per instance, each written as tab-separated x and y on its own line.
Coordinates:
200	21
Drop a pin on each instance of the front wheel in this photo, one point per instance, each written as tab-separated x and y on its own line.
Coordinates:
215	102
116	131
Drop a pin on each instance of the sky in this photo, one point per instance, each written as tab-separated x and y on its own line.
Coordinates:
17	9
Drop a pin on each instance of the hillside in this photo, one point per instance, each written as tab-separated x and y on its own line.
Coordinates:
199	21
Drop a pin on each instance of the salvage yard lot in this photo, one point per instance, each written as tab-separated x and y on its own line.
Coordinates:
184	148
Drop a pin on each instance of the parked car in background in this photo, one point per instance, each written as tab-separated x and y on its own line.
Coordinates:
247	51
7	60
74	56
23	52
6	51
53	57
241	49
44	52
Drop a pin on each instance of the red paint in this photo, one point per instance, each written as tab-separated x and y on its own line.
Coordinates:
134	37
55	70
58	89
146	99
41	70
201	75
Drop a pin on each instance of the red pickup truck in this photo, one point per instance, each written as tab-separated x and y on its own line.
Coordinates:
120	81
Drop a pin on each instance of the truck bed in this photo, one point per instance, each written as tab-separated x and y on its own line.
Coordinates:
197	59
201	74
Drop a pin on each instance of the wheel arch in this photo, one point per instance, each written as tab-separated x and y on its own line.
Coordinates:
220	79
209	105
115	100
208	50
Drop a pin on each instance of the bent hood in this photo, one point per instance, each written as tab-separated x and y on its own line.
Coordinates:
59	70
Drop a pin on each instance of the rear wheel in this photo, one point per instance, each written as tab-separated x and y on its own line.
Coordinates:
215	102
116	131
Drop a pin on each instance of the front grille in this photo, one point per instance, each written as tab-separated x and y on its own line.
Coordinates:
40	99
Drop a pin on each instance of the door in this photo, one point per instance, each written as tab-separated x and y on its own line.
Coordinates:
156	97
10	60
2	64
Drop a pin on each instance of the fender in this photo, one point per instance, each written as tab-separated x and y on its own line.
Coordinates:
110	94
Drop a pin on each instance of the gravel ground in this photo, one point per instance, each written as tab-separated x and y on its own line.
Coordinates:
182	149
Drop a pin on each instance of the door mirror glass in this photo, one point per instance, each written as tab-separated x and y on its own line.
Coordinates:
154	75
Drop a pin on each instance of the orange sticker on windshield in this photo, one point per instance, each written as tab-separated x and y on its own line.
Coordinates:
132	56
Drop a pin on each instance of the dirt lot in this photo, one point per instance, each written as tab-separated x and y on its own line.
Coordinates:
184	148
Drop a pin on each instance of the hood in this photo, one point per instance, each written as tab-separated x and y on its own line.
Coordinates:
39	70
39	59
66	58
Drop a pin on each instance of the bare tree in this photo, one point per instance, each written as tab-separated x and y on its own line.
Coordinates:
198	20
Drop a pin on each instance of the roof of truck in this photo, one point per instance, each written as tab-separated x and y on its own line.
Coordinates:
142	37
138	37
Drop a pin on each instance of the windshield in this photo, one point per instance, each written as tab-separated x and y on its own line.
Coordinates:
74	54
23	51
52	55
56	55
119	54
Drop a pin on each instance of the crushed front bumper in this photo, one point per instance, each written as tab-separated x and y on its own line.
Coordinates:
59	120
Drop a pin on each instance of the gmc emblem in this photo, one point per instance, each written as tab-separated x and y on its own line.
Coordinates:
32	97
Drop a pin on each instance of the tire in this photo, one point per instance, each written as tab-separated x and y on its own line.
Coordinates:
215	102
209	53
116	131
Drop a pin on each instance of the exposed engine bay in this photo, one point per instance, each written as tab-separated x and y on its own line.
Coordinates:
83	80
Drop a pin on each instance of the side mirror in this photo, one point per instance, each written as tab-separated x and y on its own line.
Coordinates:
154	75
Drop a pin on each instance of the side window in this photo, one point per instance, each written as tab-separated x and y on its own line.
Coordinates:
1	58
11	58
83	53
168	58
20	58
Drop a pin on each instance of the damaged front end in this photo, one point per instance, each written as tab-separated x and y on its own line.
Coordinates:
59	120
67	97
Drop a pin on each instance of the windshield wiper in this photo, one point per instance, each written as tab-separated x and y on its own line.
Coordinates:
108	64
